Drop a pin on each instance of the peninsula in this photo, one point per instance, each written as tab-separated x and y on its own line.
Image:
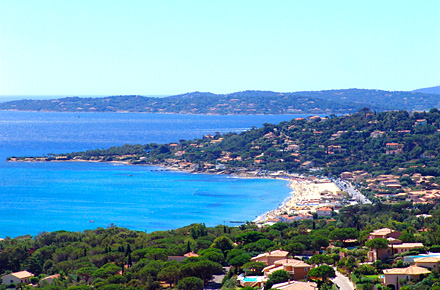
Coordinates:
392	154
247	102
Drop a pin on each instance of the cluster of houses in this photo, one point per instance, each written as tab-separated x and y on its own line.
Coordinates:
382	184
298	270
279	260
420	267
395	245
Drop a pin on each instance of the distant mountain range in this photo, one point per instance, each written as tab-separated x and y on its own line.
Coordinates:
246	102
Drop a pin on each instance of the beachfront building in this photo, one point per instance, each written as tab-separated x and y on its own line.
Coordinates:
271	257
295	285
17	277
297	269
412	273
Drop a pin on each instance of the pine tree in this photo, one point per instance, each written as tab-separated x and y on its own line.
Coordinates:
129	260
188	247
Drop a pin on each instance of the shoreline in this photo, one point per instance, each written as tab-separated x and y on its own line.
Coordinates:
304	197
176	113
277	190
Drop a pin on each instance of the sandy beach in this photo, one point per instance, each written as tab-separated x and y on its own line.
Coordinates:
307	195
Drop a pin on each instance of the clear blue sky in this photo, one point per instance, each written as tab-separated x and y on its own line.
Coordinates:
168	47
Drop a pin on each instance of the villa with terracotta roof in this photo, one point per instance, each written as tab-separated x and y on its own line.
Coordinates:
405	247
297	269
17	277
415	273
421	122
395	246
324	211
49	279
384	233
428	262
346	175
394	148
181	258
271	257
295	285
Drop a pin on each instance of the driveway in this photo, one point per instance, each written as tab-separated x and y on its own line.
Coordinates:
216	281
342	282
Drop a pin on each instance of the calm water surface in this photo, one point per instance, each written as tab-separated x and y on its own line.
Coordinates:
36	197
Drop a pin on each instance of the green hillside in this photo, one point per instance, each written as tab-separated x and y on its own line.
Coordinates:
247	102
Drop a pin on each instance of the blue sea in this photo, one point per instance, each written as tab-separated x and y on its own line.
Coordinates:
37	197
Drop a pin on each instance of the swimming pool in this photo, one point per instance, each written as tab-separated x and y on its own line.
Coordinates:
410	259
250	279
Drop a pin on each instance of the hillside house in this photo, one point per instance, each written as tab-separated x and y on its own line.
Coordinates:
384	233
307	165
49	279
376	134
181	258
428	262
393	148
271	257
295	285
415	273
17	277
292	147
421	122
297	269
395	246
346	175
324	211
332	149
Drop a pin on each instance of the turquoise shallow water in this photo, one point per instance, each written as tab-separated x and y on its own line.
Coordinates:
36	197
54	196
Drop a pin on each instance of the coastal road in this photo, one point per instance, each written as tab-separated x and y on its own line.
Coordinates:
342	282
349	188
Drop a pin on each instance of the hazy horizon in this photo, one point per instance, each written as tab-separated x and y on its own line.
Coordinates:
7	98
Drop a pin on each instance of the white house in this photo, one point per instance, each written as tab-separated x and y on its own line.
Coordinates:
17	277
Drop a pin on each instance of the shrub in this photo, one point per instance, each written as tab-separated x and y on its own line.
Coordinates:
190	283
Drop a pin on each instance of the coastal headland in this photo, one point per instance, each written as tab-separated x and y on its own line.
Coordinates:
391	155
